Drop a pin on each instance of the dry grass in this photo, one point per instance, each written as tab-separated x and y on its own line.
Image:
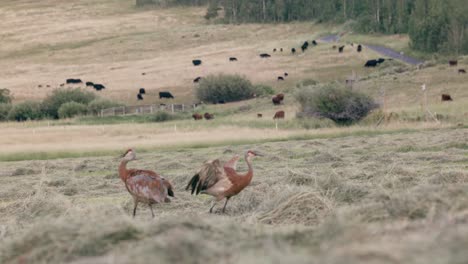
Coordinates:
387	198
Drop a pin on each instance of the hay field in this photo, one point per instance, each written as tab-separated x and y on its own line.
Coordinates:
388	198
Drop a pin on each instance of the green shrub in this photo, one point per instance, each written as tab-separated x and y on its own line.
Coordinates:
161	116
306	82
263	90
222	87
52	103
95	106
72	109
335	102
4	110
5	97
28	110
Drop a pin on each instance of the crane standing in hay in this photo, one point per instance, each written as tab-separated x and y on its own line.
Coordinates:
222	181
144	185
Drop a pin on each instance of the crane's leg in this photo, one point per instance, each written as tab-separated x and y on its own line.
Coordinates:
151	207
227	199
135	208
213	203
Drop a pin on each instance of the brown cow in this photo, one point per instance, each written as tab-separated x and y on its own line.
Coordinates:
276	100
197	116
280	96
259	115
446	97
453	62
208	116
279	115
462	71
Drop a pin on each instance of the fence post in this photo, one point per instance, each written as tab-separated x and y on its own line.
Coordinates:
183	108
172	107
151	109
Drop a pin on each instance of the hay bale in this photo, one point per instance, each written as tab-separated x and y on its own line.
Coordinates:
307	208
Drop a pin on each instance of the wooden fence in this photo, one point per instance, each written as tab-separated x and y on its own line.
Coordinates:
146	109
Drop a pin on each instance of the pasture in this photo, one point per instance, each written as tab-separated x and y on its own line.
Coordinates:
390	192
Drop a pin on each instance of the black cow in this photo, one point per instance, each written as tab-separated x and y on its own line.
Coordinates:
233	59
314	42
167	95
461	71
89	84
99	87
304	46
286	74
265	55
293	50
142	91
280	78
221	102
340	49
196	62
381	60
453	62
359	48
196	80
371	63
74	81
274	50
140	97
281	50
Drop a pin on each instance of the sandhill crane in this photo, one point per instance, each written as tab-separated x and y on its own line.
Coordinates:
144	185
222	181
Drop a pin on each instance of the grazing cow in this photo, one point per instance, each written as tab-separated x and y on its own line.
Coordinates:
276	101
265	55
39	86
196	80
74	81
233	59
280	96
446	97
197	116
293	50
142	91
221	102
314	42
286	74
139	97
48	86
281	50
89	84
453	62
305	46
197	62
143	73
62	84
371	63
280	78
380	60
279	115
274	50
259	115
167	95
340	49
359	48
462	71
99	87
208	116
334	47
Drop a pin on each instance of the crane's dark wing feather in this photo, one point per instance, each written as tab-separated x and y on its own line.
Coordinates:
210	173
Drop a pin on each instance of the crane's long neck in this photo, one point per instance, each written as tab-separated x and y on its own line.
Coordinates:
249	175
123	172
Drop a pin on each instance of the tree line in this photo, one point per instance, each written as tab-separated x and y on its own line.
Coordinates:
433	25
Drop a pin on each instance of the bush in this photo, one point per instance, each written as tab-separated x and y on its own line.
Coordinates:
29	110
263	90
95	106
5	97
161	116
71	109
4	110
52	103
228	88
337	103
